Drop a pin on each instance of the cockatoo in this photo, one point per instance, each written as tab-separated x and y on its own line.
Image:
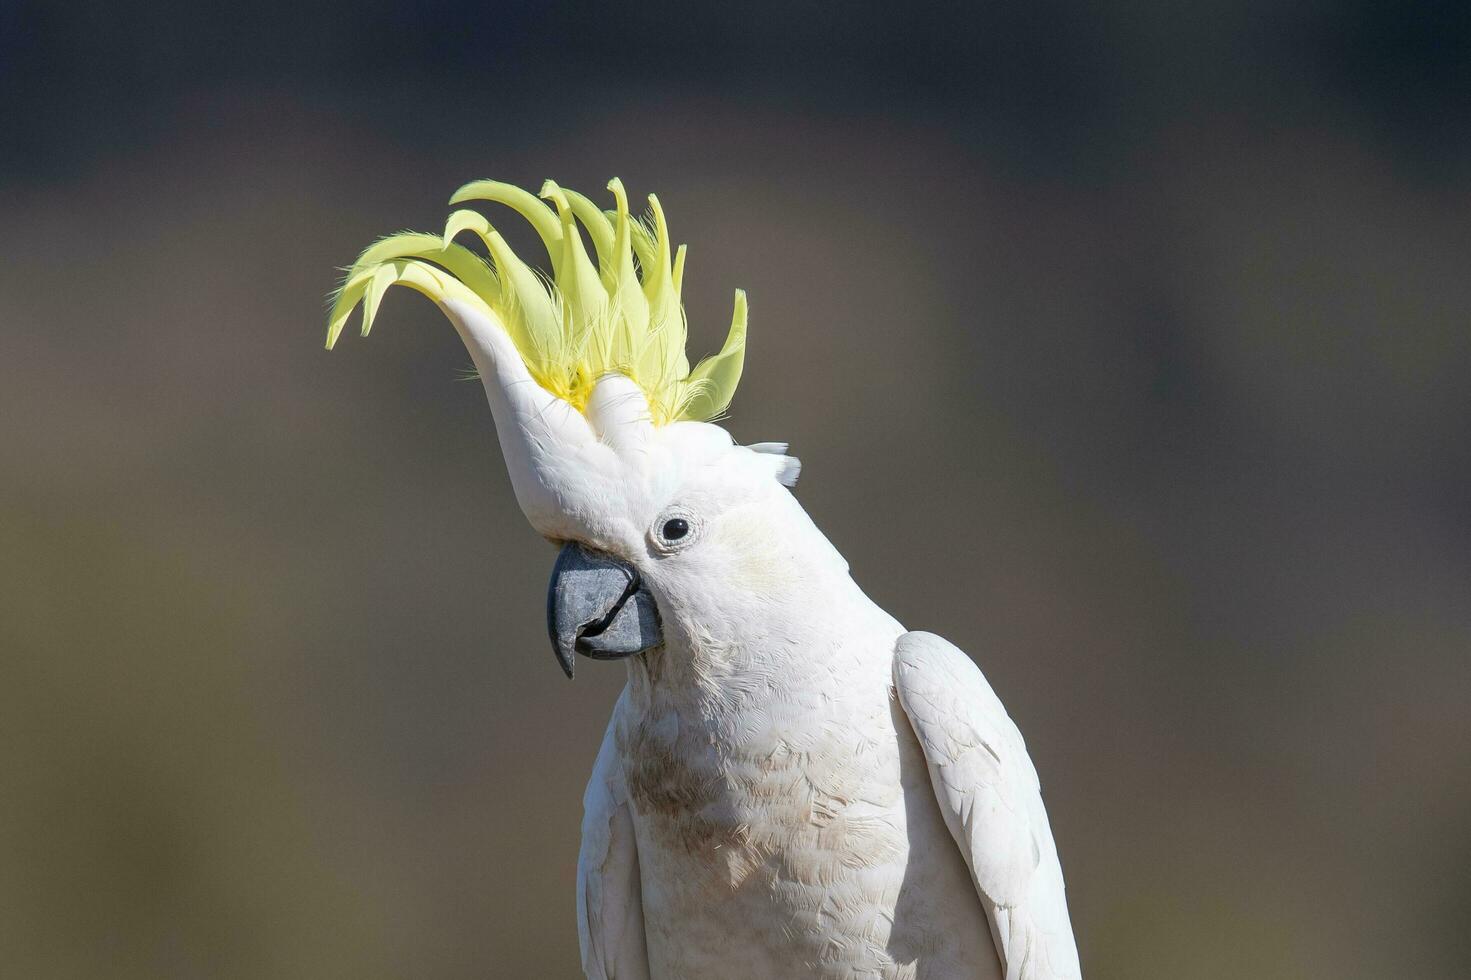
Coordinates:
791	784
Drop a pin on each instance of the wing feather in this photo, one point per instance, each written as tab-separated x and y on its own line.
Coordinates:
610	917
988	792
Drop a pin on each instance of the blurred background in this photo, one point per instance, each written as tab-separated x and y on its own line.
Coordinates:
1123	343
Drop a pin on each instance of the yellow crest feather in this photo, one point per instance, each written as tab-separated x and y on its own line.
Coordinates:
621	315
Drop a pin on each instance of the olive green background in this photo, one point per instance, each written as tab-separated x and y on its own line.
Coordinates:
1125	345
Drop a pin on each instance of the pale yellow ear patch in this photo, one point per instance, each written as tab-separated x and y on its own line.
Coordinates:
747	541
622	314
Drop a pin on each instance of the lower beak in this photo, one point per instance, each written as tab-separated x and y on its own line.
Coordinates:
599	607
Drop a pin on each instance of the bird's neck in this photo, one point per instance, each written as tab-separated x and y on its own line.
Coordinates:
803	637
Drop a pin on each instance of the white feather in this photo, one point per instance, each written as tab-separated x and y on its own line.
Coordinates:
610	919
988	792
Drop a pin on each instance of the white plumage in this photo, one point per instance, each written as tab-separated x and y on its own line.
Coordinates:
791	784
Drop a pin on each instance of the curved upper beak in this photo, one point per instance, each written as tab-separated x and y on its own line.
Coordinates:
599	607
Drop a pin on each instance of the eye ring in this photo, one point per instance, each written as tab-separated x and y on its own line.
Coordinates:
674	530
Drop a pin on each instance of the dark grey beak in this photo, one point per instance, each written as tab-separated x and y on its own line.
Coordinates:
598	606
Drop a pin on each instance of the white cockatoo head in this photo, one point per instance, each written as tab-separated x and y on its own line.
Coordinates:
603	424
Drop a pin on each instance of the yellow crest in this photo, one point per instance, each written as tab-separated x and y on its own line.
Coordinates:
623	315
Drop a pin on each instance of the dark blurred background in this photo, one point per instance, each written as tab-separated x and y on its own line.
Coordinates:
1125	344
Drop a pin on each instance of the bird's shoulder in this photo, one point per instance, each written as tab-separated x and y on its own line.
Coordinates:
949	701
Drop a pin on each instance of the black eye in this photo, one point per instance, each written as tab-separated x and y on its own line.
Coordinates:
675	528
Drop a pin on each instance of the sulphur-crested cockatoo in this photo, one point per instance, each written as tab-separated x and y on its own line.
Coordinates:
791	785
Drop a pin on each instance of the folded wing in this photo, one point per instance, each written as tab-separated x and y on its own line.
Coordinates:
610	916
988	792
